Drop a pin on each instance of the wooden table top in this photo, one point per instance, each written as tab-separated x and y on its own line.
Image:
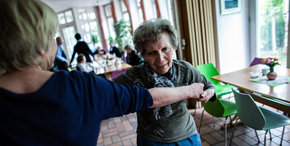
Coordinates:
111	68
241	79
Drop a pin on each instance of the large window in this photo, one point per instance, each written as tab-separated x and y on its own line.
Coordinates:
150	10
89	27
124	11
139	11
67	30
65	17
166	12
110	20
272	29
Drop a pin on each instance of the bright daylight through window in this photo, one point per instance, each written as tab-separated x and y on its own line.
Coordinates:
272	27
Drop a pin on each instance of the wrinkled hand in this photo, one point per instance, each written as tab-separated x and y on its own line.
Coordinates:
206	95
195	90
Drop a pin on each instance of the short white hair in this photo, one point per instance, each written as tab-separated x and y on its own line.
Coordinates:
27	27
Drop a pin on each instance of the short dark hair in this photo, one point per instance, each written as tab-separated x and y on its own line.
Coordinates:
78	36
80	58
129	47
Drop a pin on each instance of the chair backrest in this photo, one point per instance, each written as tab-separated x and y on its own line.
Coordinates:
256	60
214	108
208	70
117	73
248	111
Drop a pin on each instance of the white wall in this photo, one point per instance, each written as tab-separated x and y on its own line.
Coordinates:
233	39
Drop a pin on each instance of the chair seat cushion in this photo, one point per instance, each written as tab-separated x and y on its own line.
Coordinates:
274	119
223	89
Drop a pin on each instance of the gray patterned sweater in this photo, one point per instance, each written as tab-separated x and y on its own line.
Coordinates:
179	125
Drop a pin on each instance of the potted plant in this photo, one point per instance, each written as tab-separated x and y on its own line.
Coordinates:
111	39
271	62
95	39
123	33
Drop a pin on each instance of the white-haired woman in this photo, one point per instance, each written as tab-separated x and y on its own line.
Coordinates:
39	107
156	40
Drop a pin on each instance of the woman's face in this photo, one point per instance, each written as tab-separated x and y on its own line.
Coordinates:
159	54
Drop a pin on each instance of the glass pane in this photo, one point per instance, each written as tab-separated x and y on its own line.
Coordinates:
92	15
68	16
70	41
80	17
108	10
124	9
154	9
138	3
93	26
61	18
88	38
81	10
85	16
87	27
140	15
83	27
111	27
97	39
272	29
126	17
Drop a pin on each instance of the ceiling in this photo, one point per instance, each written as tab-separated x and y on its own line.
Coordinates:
61	5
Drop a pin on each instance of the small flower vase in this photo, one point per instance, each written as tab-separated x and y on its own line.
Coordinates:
272	75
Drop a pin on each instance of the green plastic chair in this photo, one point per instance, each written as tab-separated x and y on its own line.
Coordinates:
208	70
220	107
258	118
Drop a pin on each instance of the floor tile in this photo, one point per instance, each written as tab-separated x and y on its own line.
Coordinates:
121	131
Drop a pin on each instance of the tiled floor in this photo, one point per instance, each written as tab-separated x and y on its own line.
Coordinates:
121	132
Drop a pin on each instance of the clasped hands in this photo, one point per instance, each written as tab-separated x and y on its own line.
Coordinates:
197	92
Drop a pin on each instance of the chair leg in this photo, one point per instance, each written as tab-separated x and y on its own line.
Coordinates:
226	135
194	112
257	136
282	135
213	121
231	121
200	121
233	131
265	138
270	134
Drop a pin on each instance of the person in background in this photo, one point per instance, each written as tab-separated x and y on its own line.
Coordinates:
82	65
132	58
61	62
39	107
115	50
172	124
81	48
99	51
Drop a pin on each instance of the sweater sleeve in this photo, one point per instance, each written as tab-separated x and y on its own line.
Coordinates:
111	99
199	78
194	76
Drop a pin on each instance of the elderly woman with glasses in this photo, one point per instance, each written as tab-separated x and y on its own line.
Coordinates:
39	107
156	41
